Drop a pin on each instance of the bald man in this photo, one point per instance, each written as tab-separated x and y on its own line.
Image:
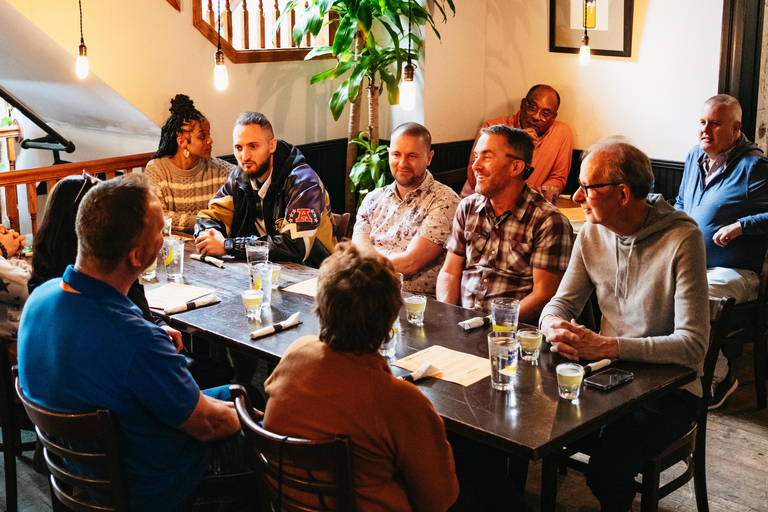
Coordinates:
553	144
725	190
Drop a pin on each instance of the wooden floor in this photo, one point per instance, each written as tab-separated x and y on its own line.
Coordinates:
737	465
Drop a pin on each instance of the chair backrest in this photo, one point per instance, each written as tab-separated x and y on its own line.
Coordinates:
84	454
762	295
341	224
296	474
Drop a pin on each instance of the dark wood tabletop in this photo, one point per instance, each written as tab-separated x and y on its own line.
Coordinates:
531	421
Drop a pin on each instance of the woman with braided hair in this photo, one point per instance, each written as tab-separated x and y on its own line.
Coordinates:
183	173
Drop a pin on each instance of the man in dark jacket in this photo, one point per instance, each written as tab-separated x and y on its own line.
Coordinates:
272	194
725	190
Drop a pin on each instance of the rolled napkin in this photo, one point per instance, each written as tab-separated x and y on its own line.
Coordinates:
478	321
211	298
208	259
423	371
280	326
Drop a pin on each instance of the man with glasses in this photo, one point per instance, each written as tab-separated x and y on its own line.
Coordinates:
553	146
646	263
506	241
725	190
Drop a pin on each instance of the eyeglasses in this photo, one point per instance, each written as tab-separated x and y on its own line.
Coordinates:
487	227
87	178
534	109
586	188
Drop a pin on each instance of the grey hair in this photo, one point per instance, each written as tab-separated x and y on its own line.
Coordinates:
624	163
728	101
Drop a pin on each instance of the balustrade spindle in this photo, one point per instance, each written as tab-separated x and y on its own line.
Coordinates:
246	28
262	26
228	21
211	14
307	41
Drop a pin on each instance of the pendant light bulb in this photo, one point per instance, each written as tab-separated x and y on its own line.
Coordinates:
81	66
220	77
408	89
584	52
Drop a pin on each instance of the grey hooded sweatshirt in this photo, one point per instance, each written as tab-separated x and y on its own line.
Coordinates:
651	288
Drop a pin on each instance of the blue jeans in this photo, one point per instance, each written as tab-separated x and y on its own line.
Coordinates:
622	447
229	483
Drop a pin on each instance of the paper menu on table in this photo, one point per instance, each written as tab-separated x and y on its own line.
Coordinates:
458	367
173	294
308	287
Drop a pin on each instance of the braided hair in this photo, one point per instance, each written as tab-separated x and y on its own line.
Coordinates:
182	112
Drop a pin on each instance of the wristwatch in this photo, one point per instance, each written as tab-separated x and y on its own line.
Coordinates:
229	245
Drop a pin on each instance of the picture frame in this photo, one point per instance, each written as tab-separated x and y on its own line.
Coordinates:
610	35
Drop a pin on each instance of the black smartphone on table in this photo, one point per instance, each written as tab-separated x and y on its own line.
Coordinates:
608	379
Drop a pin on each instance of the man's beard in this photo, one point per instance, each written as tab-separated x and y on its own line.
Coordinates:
259	172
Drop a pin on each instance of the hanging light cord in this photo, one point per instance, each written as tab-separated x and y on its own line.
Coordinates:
218	9
410	7
80	4
585	16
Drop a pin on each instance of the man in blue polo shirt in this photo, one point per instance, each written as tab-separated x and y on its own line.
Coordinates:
84	345
725	190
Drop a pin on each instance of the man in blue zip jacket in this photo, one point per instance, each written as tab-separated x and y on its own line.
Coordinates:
725	190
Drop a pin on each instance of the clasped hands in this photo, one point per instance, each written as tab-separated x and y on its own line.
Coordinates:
13	242
210	243
574	341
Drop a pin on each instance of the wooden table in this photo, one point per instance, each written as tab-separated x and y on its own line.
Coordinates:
530	422
572	211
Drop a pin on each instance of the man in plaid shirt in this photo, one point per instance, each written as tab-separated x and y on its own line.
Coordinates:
506	240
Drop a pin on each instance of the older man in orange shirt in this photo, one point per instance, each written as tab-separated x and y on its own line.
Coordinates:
553	145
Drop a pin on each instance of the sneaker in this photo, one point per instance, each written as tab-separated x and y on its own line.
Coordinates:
721	390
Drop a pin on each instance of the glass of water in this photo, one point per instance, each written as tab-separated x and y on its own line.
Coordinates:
502	350
173	257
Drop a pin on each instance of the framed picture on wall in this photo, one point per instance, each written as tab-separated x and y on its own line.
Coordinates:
608	23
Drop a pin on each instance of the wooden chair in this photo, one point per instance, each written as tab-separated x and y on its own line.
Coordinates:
749	324
690	448
341	224
296	474
13	420
100	476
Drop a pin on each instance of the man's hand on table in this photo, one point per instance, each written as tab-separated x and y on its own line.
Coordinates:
210	243
574	341
175	336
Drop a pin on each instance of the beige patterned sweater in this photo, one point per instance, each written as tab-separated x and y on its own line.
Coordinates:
186	192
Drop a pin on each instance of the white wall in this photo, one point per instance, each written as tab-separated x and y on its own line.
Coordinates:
653	98
148	52
491	53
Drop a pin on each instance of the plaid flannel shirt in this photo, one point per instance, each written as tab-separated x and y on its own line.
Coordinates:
501	252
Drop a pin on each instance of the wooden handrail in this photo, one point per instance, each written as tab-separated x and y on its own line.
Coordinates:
204	19
31	177
56	172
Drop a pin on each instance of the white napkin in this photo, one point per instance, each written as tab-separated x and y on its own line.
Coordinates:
280	326
211	298
208	259
475	322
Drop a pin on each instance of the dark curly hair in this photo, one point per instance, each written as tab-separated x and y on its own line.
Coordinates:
182	112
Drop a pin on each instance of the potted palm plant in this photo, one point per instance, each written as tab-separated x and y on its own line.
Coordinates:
370	46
